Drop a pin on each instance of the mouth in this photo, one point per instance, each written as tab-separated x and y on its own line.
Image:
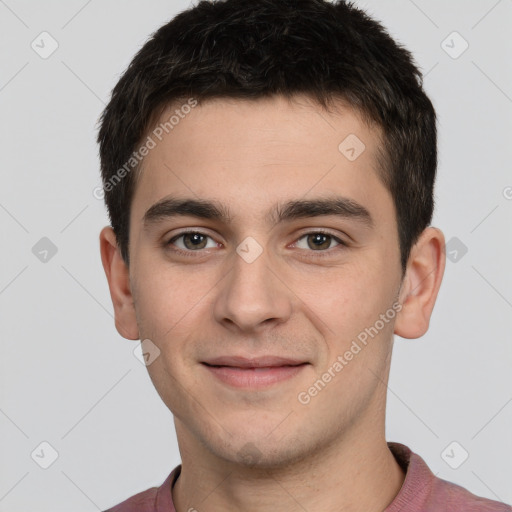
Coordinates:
254	373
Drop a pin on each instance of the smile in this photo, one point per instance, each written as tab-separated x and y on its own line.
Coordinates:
253	373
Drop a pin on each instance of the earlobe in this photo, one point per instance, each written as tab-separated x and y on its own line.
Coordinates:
421	284
119	285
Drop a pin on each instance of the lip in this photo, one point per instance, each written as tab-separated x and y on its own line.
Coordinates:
253	362
253	373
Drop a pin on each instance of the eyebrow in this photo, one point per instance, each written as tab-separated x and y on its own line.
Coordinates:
170	207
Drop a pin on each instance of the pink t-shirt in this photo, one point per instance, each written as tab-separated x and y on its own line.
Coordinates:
421	491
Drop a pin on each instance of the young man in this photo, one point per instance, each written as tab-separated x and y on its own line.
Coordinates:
268	168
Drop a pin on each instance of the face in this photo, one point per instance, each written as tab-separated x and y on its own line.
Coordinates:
258	301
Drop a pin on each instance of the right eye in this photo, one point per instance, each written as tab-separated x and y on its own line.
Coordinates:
191	241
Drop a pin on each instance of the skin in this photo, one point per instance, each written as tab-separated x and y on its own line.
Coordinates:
327	455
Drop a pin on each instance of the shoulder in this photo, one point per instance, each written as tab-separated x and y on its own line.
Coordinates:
144	501
452	497
155	499
425	492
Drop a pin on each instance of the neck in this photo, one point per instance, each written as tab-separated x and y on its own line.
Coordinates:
359	473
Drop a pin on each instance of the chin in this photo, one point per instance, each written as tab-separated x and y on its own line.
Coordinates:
262	452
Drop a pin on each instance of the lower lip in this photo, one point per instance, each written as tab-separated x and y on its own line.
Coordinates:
254	377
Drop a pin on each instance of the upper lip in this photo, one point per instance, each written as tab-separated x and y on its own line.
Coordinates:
253	362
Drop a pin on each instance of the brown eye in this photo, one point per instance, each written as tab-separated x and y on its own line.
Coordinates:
318	241
191	241
194	241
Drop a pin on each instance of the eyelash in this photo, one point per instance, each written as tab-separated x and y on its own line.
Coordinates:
322	253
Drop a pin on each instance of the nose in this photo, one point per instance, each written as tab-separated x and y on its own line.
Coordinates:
252	296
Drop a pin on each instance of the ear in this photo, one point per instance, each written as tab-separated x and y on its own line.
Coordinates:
118	278
421	284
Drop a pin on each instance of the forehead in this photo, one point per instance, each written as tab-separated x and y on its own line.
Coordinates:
252	154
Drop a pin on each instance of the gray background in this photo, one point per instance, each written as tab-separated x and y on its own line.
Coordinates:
67	378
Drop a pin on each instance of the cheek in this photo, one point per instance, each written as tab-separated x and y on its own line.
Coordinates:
342	295
167	297
347	302
171	309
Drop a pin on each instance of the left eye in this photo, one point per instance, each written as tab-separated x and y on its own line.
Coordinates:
318	241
